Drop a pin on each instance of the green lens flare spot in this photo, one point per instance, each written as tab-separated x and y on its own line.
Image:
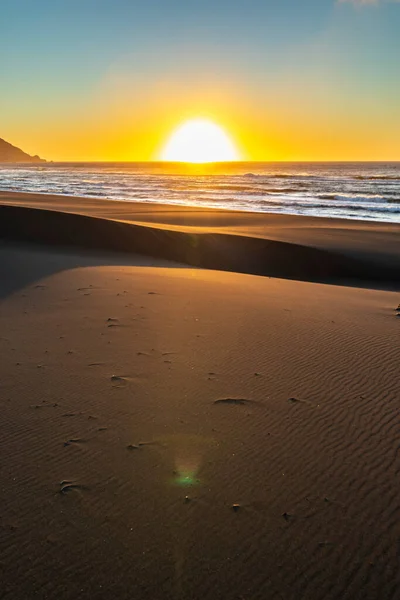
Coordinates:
185	480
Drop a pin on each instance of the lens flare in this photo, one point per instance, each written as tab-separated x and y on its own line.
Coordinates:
183	454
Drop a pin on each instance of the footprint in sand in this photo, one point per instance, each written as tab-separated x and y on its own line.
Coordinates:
73	441
234	401
298	401
119	380
44	405
155	443
287	516
141	444
112	322
69	486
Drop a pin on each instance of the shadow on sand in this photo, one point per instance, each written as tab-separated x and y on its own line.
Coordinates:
205	250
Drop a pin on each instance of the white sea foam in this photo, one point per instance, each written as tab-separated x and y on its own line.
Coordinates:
369	191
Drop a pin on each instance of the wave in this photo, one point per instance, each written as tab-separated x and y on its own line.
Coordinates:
255	191
365	199
381	208
371	192
326	177
277	176
377	177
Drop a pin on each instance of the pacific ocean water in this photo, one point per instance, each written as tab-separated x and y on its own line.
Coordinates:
366	191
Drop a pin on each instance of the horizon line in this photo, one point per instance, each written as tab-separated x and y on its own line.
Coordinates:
205	164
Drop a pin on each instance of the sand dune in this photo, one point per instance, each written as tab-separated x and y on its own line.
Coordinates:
213	247
366	240
170	432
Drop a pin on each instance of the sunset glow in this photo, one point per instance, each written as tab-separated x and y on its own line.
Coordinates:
199	141
286	81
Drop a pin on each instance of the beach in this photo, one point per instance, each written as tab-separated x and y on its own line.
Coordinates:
197	403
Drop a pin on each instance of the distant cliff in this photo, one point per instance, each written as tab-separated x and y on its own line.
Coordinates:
11	154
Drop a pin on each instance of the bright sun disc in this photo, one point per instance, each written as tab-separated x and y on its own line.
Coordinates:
199	141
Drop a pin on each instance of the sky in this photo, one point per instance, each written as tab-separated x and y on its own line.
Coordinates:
287	79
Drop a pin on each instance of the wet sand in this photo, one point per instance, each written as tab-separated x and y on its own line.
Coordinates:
178	432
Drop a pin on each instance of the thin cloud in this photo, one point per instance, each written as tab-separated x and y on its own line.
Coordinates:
360	2
366	2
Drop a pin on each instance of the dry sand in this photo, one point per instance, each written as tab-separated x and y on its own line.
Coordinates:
179	433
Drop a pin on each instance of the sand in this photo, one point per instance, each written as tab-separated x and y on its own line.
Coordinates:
377	244
171	432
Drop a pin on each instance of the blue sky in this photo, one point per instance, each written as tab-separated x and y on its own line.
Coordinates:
66	60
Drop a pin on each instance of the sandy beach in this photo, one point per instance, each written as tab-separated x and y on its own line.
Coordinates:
290	246
197	404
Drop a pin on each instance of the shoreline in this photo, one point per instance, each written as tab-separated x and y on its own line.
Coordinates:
204	207
41	198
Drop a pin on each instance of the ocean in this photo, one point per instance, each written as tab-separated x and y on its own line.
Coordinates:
366	191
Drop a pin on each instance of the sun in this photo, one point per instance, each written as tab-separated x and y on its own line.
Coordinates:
199	141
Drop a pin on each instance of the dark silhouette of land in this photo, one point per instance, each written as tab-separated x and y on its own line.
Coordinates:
12	154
